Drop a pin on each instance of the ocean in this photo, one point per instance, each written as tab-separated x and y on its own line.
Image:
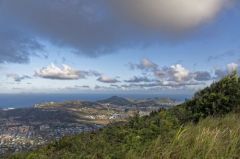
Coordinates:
29	100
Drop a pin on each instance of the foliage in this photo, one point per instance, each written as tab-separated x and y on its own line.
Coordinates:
220	98
211	138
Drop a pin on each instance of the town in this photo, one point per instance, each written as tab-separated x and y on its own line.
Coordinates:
28	128
17	137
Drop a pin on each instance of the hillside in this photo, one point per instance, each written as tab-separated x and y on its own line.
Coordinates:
120	101
204	127
211	138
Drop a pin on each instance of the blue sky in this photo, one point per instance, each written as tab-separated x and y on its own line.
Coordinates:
86	47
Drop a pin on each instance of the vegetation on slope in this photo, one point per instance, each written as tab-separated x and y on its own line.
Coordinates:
212	138
196	129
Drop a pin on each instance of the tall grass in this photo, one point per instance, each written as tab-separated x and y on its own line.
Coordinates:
212	138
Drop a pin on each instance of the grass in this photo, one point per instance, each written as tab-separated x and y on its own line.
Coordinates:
212	138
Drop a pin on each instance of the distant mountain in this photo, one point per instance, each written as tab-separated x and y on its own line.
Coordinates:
116	101
149	101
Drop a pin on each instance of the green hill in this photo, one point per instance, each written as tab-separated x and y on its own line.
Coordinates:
206	126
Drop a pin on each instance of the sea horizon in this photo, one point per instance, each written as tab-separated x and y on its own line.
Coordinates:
29	100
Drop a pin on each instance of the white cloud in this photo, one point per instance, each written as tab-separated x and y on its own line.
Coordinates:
106	79
171	73
171	14
232	67
178	73
62	73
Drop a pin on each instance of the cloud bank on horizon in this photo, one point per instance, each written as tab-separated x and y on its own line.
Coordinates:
153	77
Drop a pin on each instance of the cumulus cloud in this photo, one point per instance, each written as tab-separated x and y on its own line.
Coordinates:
176	73
106	79
63	73
18	78
174	76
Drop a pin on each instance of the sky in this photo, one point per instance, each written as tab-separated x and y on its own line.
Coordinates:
112	46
